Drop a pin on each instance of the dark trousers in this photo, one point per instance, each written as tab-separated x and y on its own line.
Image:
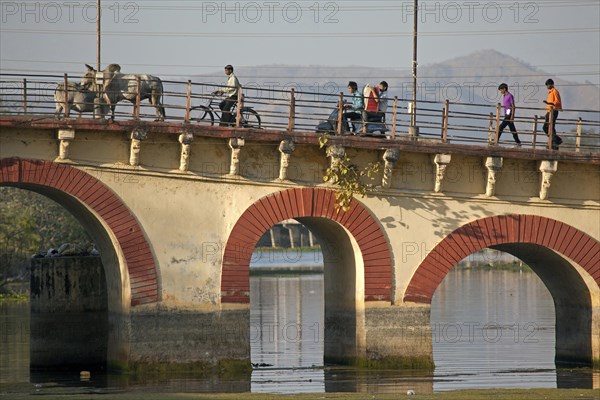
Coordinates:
353	116
511	125
556	140
226	117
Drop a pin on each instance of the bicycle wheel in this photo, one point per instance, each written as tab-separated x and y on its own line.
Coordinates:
250	118
202	115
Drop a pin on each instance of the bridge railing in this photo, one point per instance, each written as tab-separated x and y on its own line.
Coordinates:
302	111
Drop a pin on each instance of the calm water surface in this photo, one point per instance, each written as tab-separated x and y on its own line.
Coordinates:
489	329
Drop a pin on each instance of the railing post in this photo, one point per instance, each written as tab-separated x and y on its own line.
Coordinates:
578	135
240	105
25	96
490	128
497	129
394	114
340	112
137	98
550	130
363	117
534	131
66	100
292	117
188	101
445	121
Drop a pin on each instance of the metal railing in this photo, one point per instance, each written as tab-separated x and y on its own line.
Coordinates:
299	111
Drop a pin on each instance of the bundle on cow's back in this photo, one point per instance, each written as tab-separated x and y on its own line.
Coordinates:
117	86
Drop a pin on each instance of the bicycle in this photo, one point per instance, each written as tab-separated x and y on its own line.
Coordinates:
249	116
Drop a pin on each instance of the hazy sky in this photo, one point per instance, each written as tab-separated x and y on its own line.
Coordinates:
191	38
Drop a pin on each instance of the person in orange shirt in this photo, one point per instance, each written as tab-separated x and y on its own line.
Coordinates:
554	104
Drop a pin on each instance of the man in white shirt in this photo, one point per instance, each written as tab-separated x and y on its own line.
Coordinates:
231	90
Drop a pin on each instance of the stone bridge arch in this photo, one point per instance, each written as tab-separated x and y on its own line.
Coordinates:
305	205
131	274
566	259
356	257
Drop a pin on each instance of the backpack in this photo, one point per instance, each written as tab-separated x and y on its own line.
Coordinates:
371	95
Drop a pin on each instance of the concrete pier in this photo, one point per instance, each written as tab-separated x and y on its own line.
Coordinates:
69	313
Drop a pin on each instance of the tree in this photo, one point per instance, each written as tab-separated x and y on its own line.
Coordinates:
30	223
348	177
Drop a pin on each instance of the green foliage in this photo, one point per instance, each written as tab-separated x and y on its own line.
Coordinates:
29	223
348	177
14	298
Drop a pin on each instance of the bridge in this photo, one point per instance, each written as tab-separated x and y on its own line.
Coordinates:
176	208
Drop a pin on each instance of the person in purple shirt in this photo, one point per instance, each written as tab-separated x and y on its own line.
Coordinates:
508	103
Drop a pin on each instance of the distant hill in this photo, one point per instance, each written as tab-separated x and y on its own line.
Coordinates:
473	78
525	82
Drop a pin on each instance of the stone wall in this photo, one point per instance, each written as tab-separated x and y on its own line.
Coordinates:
69	317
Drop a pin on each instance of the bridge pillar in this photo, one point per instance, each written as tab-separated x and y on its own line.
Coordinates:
69	299
137	136
195	338
390	158
398	336
441	162
493	165
286	148
65	136
548	168
186	139
235	144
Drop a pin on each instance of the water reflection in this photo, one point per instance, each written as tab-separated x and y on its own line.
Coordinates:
490	329
286	332
493	329
14	343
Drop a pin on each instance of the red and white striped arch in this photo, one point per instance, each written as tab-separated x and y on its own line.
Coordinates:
97	196
297	203
502	229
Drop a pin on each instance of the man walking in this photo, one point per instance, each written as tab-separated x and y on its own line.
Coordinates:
554	105
508	103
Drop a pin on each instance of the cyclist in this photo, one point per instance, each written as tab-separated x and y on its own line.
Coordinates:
231	90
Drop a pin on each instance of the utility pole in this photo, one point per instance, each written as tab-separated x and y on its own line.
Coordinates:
98	13
413	130
98	101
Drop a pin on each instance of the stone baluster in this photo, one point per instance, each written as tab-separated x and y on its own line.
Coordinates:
441	162
390	158
137	136
236	145
286	148
548	168
65	136
493	165
336	152
186	139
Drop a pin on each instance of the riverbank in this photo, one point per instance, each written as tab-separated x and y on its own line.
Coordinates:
513	394
14	297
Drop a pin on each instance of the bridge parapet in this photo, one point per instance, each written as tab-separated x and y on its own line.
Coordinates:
292	111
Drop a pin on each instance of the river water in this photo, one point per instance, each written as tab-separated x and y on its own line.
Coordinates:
489	329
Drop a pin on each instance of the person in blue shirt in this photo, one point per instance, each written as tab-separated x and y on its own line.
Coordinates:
353	111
